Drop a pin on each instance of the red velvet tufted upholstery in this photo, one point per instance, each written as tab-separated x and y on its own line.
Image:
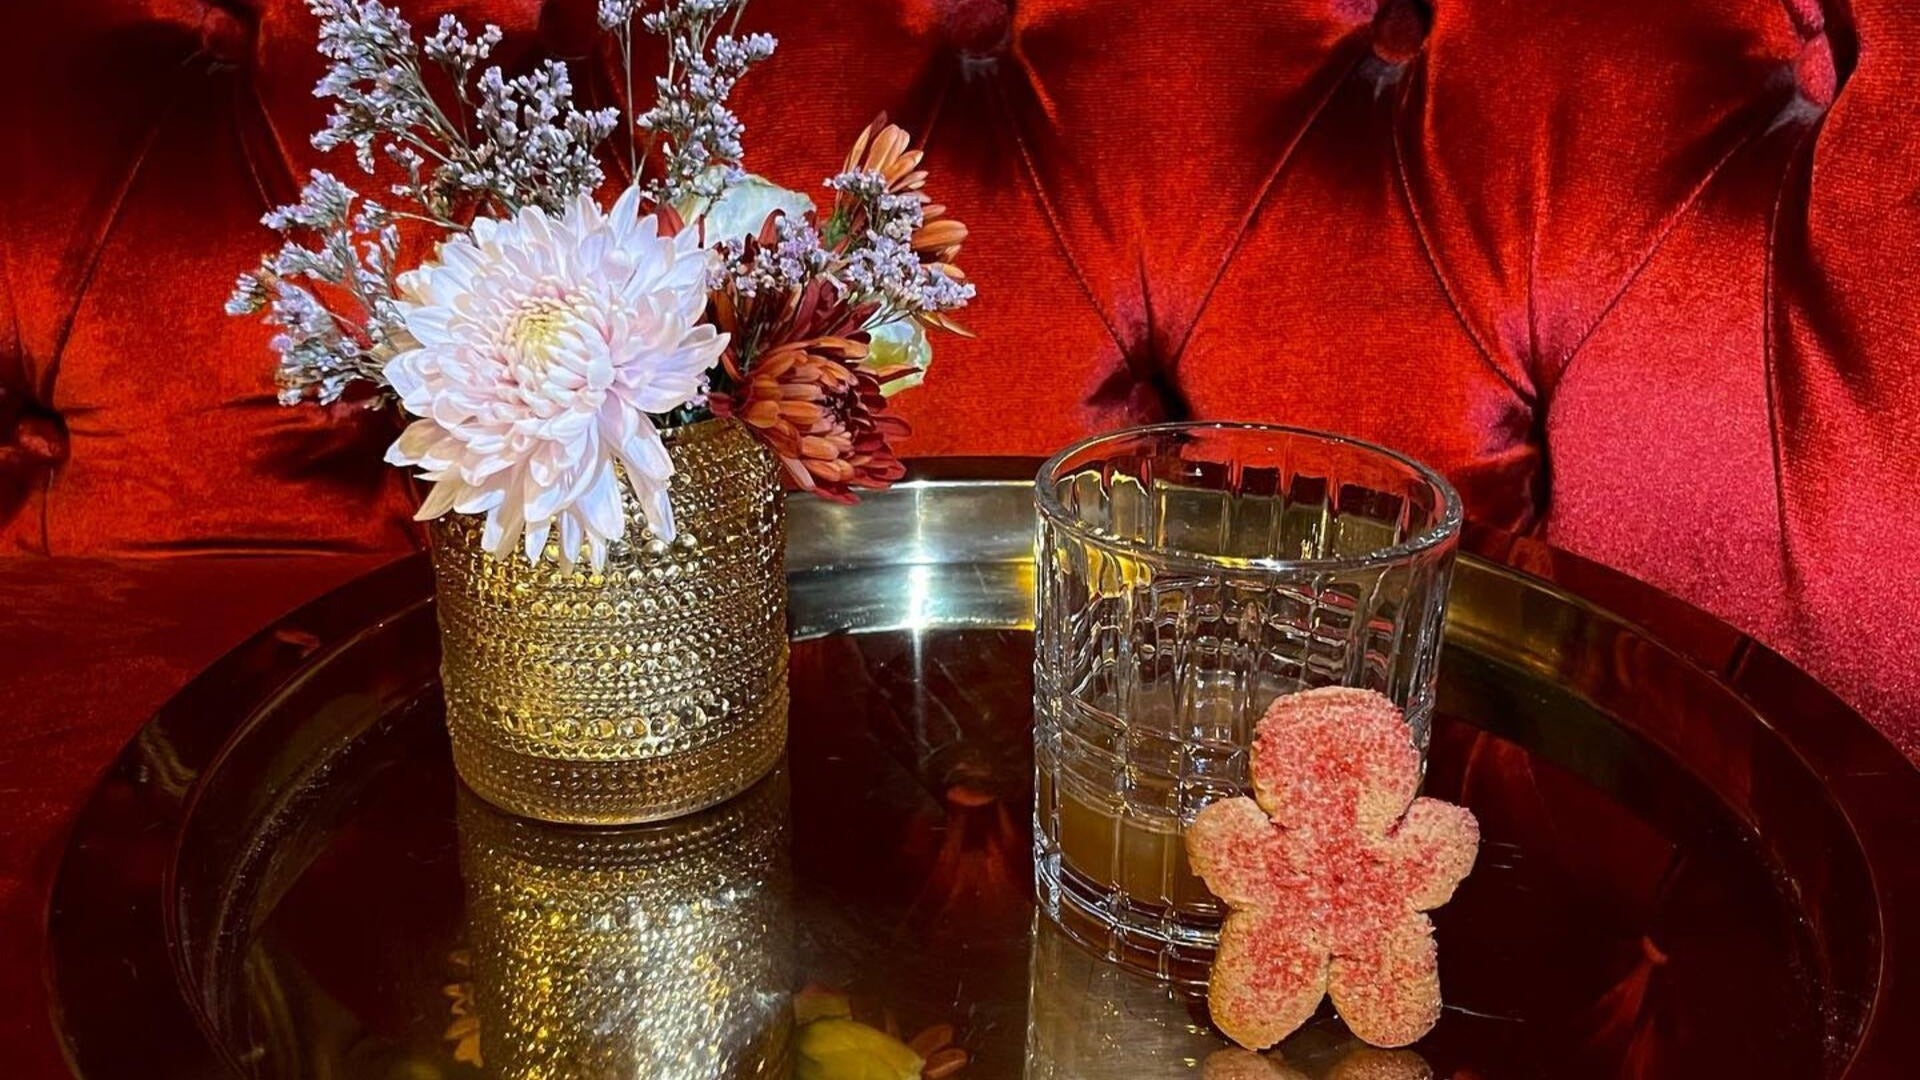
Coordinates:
1638	274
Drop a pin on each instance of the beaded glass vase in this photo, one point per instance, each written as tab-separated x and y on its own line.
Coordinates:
649	689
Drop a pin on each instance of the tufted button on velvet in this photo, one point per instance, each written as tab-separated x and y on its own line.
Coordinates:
976	27
33	443
30	435
1142	389
1814	72
1399	30
226	35
41	437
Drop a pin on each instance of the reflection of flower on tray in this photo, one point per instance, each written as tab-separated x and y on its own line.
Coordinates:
833	1043
464	1030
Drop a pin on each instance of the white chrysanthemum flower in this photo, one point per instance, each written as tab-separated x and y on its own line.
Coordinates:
544	343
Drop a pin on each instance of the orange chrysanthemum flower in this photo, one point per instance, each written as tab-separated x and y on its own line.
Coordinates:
883	148
824	415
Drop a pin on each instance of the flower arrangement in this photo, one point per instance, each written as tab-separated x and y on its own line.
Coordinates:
594	278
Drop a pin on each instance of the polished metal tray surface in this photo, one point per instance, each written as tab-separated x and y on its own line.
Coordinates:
1697	862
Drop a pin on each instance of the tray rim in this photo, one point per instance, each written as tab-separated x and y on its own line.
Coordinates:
1866	777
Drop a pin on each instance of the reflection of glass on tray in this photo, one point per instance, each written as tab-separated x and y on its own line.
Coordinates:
1091	1020
1189	574
649	951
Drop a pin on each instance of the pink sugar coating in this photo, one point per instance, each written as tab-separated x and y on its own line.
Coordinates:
1326	873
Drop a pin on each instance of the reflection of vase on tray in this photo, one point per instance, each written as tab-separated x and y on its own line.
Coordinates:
644	952
654	687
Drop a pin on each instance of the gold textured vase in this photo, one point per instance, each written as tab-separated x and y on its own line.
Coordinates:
654	688
651	952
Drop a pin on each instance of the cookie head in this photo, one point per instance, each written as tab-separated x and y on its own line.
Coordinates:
1335	758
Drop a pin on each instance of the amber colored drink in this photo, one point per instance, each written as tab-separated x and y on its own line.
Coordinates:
1143	858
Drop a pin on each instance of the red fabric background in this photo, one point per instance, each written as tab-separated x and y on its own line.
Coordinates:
1637	274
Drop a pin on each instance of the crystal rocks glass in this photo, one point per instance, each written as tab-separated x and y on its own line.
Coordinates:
1188	575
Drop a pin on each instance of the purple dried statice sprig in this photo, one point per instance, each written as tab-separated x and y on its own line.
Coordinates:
509	143
533	148
495	146
347	254
880	266
794	257
698	136
888	272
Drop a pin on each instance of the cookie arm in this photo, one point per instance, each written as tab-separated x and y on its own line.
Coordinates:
1235	849
1434	844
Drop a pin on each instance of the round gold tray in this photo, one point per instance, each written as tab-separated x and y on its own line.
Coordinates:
1698	863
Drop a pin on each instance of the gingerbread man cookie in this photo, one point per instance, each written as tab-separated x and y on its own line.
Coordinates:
1326	872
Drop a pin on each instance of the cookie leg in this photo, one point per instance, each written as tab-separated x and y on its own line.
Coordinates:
1268	978
1387	988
